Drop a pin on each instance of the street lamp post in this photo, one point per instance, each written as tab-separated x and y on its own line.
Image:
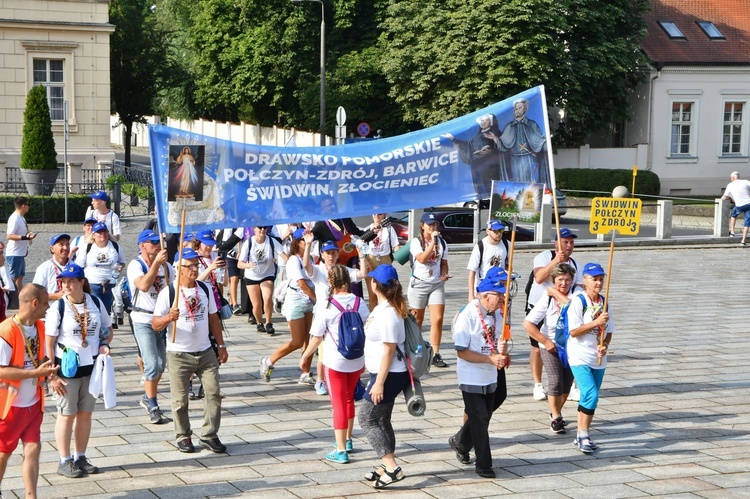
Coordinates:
322	68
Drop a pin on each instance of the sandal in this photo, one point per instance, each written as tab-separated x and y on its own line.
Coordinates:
374	475
388	477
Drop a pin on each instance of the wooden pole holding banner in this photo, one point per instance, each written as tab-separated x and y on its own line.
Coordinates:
163	247
606	292
179	274
509	270
551	165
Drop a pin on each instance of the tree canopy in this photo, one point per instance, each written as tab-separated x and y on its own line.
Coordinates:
400	64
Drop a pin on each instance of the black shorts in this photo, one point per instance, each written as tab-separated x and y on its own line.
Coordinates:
534	343
250	282
232	267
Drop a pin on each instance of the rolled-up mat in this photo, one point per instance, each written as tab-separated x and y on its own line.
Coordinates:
415	402
402	255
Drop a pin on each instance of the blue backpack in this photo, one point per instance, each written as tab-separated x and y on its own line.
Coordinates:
562	332
351	340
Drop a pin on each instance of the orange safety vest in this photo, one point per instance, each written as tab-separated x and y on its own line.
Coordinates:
11	333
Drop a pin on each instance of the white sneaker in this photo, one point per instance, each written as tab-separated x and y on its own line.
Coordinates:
539	393
306	379
575	394
266	368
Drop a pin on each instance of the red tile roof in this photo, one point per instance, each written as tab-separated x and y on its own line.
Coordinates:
731	17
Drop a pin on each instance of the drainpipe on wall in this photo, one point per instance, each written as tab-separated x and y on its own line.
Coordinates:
651	116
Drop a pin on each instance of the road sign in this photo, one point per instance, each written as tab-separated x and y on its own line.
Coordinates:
620	214
363	129
340	116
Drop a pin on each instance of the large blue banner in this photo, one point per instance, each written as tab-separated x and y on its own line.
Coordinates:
221	184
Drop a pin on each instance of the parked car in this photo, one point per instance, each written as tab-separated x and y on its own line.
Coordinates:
456	225
562	202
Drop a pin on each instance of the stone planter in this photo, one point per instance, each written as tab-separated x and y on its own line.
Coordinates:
40	182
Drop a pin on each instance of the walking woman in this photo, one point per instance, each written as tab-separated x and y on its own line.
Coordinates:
384	333
340	374
258	259
427	284
586	325
540	325
297	308
84	329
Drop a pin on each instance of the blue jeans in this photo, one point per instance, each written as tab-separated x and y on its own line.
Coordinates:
153	347
106	298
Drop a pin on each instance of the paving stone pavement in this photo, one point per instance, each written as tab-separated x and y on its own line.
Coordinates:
673	418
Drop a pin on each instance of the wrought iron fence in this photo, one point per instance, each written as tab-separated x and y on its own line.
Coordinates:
49	209
92	179
136	173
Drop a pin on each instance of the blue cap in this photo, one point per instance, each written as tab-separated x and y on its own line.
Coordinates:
99	226
101	195
565	233
384	274
495	225
187	254
207	238
72	270
494	281
593	269
329	245
148	236
297	234
90	220
188	237
57	238
428	218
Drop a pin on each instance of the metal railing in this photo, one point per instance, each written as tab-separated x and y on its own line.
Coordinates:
136	173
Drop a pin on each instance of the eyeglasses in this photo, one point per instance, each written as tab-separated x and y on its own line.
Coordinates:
193	266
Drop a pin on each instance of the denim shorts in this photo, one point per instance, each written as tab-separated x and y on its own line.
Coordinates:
153	349
295	308
16	266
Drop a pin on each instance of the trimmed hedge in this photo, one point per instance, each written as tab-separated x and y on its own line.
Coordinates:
604	179
47	209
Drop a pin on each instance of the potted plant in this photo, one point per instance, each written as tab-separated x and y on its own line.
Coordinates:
132	191
38	156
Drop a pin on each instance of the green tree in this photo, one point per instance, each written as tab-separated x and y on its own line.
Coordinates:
138	63
452	57
38	142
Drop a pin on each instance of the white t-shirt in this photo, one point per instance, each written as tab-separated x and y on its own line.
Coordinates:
739	191
144	300
110	219
263	254
493	255
538	290
46	275
99	262
320	280
28	394
69	333
383	244
582	349
547	309
469	334
5	281
429	271
295	272
384	325
17	225
326	325
192	325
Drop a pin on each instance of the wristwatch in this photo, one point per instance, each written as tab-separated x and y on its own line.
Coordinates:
222	346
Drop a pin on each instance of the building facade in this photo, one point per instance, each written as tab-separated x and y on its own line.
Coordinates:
64	46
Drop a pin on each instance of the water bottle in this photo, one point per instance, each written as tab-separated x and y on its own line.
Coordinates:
219	275
418	353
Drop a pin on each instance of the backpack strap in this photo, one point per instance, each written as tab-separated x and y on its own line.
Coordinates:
480	245
336	304
144	267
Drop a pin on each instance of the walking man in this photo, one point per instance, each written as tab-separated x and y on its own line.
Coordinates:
19	239
189	351
48	272
739	192
146	279
23	369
